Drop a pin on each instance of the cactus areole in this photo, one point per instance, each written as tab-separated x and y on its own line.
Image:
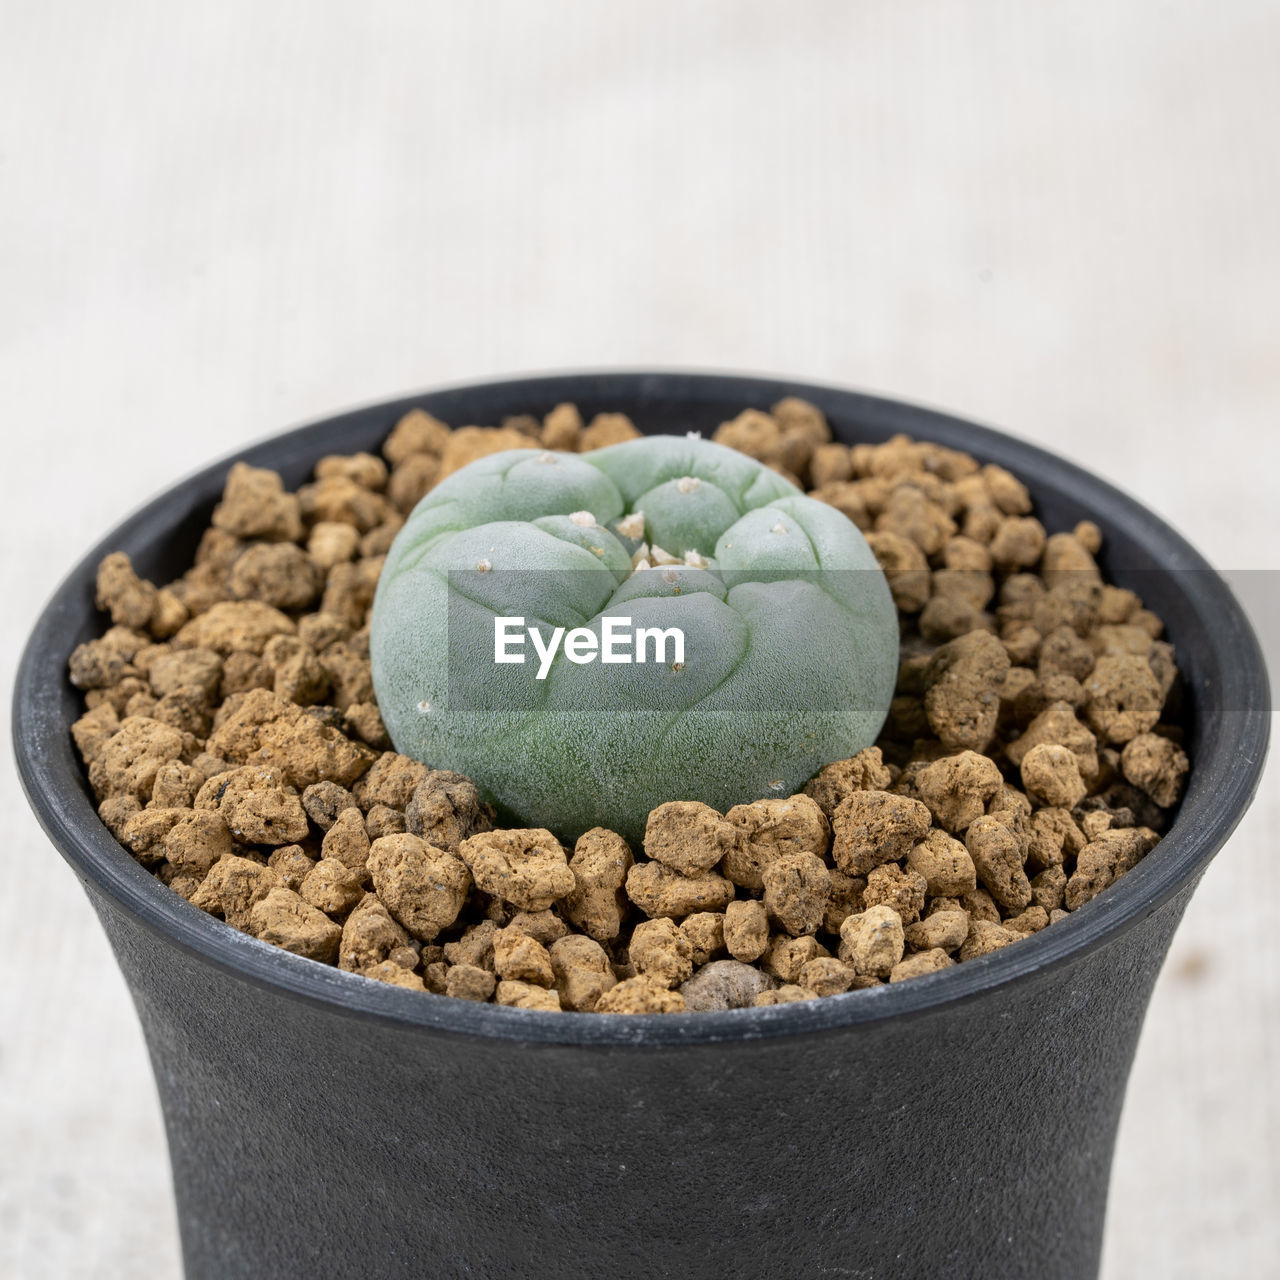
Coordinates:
590	635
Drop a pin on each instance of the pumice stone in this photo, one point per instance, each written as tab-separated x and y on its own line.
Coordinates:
591	635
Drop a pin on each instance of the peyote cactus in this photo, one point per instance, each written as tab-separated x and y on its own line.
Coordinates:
790	634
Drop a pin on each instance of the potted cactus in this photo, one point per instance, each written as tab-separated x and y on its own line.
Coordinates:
960	1123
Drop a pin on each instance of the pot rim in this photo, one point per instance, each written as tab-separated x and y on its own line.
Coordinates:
1228	766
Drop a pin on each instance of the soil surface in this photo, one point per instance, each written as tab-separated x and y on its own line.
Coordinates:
1031	757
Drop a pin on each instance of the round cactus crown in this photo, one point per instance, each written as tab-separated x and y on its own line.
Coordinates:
789	632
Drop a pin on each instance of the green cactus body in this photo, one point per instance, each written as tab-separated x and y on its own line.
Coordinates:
790	634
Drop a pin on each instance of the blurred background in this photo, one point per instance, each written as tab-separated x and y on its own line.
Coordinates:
220	220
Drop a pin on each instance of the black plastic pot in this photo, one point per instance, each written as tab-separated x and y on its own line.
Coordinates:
960	1124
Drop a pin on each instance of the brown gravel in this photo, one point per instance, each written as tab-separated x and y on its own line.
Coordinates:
1031	756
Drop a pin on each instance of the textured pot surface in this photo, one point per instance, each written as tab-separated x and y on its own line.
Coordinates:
960	1124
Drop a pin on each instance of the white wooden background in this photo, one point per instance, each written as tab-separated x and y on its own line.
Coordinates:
217	220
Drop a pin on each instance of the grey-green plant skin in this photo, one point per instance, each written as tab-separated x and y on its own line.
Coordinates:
791	636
